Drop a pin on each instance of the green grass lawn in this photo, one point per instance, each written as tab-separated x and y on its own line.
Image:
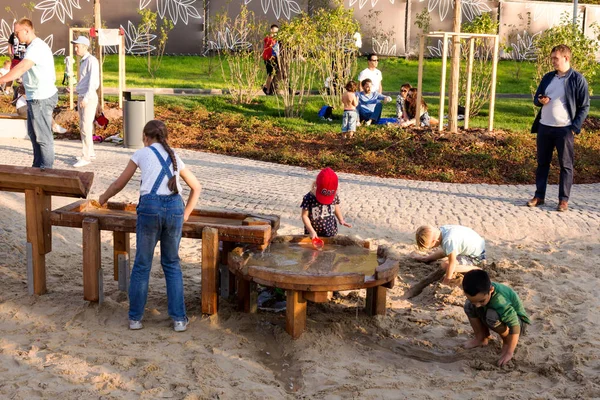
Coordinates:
205	73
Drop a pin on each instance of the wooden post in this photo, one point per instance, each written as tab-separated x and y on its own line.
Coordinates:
39	234
295	313
98	26
120	246
247	296
454	72
469	80
71	105
493	91
121	70
420	79
92	273
210	259
443	82
376	299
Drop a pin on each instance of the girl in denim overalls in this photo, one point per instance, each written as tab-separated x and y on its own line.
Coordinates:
160	216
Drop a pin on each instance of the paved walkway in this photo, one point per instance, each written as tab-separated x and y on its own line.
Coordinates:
388	209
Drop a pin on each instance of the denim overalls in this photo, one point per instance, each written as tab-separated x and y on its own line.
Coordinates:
159	217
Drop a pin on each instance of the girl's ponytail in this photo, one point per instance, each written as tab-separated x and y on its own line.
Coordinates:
157	130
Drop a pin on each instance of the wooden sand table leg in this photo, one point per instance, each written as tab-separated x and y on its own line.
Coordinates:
295	313
247	296
210	269
376	299
92	271
39	234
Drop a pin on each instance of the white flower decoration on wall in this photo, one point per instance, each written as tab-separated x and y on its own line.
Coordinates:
439	50
361	3
383	48
523	48
5	31
279	7
178	9
50	42
470	8
59	8
551	13
138	42
228	40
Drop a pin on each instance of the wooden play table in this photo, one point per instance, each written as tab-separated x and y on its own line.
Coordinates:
211	226
291	263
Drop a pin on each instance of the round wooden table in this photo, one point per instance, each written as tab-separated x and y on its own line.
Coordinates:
307	274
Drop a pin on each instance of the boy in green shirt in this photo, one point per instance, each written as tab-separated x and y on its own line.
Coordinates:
494	306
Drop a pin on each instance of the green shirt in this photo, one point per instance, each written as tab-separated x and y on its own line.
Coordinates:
507	304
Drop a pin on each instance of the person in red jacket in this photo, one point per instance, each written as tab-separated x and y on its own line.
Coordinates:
269	55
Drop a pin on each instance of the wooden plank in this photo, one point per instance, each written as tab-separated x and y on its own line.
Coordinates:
120	246
443	81
376	300
34	224
91	259
388	270
318	288
420	78
317	297
210	258
295	313
288	277
227	278
54	182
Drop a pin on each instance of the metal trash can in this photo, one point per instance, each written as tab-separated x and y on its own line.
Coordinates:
136	113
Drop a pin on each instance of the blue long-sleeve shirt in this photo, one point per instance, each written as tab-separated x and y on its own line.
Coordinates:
367	102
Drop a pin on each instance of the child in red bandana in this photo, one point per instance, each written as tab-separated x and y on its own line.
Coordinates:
321	206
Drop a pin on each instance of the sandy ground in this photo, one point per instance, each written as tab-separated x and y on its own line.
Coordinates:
60	346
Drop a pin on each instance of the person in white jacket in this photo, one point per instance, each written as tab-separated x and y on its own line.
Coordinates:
87	98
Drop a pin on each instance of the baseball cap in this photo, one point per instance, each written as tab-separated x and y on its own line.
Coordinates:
81	40
327	184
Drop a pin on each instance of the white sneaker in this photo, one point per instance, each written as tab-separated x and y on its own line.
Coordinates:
135	325
56	128
368	122
92	158
81	163
181	326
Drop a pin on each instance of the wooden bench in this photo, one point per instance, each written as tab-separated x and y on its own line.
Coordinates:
13	126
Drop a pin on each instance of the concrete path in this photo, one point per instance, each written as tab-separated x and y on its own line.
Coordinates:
386	209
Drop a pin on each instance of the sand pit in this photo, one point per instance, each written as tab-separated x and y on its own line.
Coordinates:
58	346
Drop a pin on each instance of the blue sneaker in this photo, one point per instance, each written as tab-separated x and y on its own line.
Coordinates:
181	326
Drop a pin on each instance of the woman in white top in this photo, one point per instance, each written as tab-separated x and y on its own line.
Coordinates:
160	216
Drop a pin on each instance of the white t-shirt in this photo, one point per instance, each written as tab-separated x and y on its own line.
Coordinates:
555	112
151	167
39	80
375	77
465	241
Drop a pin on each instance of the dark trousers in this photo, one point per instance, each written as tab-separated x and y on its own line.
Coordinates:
548	138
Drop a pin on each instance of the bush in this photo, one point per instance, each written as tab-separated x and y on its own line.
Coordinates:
583	50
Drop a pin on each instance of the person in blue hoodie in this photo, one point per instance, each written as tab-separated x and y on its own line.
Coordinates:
370	103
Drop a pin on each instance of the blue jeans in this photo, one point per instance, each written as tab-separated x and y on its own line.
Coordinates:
158	218
39	128
548	138
375	115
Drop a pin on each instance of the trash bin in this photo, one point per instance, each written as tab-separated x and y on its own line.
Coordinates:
136	113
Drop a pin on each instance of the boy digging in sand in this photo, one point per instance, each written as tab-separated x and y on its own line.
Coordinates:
464	248
494	306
